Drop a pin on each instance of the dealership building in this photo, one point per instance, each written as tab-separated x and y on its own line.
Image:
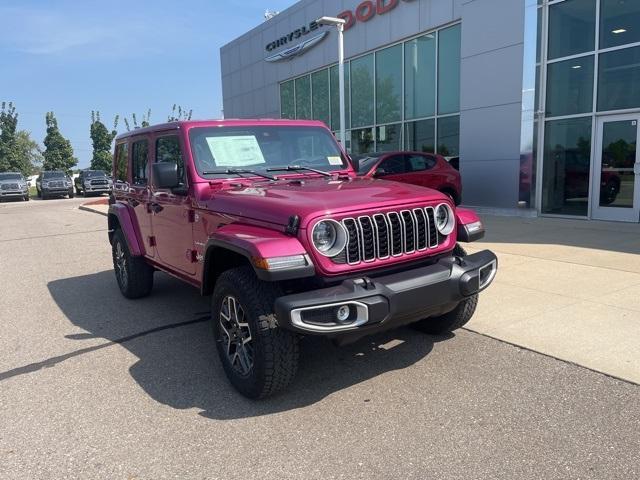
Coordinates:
540	100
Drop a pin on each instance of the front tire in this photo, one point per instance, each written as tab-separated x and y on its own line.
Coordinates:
133	274
455	319
258	357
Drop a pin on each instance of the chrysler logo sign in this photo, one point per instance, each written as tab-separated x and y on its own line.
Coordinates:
364	12
299	49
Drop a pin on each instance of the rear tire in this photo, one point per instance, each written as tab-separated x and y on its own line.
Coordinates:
258	357
133	274
456	318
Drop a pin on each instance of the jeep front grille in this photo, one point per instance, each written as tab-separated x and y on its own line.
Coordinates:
393	234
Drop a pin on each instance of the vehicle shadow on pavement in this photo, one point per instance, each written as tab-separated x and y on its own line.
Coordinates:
169	332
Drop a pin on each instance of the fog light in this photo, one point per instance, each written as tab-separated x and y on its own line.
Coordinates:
343	313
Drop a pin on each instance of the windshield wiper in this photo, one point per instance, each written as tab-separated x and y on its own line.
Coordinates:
296	168
240	172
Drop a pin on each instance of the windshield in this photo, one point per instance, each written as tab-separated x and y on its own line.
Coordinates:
94	173
366	162
217	149
10	176
53	175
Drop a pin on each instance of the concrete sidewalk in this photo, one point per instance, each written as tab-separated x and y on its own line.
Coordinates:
566	288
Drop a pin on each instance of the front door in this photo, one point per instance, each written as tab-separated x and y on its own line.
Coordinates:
172	212
616	181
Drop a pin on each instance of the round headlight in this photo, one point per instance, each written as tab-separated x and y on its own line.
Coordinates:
445	219
329	237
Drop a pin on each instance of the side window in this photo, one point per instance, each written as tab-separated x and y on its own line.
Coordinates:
420	163
168	150
139	160
122	160
394	165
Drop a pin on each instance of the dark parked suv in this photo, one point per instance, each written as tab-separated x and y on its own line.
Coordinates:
54	184
13	185
93	182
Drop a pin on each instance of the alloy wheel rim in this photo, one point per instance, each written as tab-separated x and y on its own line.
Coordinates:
236	335
121	264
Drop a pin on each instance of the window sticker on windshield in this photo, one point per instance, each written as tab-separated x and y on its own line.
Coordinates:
239	151
334	160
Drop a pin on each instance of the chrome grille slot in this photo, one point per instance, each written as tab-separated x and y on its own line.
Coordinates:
368	239
433	231
409	225
421	228
396	233
353	240
383	233
392	234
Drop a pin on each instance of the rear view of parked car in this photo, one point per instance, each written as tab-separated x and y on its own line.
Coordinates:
13	185
91	182
417	168
54	184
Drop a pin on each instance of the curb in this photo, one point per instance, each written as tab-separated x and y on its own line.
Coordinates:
87	208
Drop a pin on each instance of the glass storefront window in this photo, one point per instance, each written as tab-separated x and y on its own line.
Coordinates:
449	70
572	26
389	85
287	100
335	97
362	141
570	86
619	21
320	96
362	91
619	79
420	136
449	136
420	77
303	97
388	138
567	162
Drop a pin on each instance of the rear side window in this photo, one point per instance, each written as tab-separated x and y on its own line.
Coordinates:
395	164
122	161
139	161
420	163
168	150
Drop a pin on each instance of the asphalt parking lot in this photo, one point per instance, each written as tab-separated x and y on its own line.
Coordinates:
96	386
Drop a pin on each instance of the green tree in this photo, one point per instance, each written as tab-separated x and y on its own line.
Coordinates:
178	114
102	140
18	152
146	121
58	154
29	153
8	128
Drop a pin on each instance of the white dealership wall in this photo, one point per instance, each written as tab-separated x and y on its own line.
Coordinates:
491	76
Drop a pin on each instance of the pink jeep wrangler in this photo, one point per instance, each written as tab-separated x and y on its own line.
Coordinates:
270	218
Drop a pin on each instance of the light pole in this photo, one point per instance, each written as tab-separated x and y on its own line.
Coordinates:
339	24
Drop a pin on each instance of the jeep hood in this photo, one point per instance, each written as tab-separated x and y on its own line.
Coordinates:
276	202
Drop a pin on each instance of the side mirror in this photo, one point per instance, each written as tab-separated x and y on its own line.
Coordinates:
165	175
355	163
381	172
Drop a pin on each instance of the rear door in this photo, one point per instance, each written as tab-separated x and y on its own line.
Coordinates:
172	214
139	192
421	171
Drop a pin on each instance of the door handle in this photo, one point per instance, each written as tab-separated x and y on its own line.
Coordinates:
155	207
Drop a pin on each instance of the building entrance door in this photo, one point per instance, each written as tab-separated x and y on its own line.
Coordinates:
616	174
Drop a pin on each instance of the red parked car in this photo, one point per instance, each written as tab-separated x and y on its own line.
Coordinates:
416	168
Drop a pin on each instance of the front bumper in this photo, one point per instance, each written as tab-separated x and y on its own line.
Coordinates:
13	193
98	189
388	301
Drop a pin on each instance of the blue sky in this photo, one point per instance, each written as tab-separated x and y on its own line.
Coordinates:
118	57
